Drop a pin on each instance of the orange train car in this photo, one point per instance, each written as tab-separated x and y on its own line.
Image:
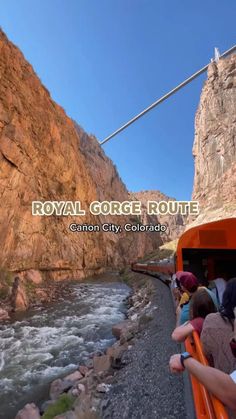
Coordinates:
208	250
166	268
205	250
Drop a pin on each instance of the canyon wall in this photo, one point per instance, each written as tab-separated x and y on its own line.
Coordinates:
44	155
214	146
175	223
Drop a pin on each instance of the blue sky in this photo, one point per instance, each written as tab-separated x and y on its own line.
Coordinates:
104	61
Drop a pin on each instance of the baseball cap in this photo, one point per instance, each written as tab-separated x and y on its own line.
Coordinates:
187	280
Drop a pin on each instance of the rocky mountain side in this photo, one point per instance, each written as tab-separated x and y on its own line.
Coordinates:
214	146
45	156
175	223
109	187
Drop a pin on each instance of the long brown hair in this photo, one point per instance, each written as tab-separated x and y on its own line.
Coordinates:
201	304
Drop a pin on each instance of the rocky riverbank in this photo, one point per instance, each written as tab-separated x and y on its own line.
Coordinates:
144	388
34	291
51	342
28	291
132	375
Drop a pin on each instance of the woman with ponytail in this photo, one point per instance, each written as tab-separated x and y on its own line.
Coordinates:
218	332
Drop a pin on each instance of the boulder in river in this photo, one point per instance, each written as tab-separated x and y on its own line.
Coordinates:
58	387
19	299
30	411
101	363
83	370
125	330
74	376
116	351
34	276
119	328
3	314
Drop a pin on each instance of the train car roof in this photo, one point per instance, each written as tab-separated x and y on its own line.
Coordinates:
219	234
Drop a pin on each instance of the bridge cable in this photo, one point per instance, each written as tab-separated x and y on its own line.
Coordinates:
166	96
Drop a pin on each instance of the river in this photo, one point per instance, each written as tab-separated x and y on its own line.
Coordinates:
48	343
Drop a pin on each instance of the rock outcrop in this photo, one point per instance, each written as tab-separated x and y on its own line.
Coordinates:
30	411
40	160
109	187
214	146
175	223
45	156
19	300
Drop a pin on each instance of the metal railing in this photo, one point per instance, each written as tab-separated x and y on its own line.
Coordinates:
206	405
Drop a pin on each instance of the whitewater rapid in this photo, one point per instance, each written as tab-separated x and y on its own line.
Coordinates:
52	342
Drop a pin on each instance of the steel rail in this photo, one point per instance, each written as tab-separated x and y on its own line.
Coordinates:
166	96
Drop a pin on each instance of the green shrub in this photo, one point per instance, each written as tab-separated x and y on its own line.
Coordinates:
64	403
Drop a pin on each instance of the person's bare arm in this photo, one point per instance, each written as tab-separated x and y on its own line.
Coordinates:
181	332
216	382
178	314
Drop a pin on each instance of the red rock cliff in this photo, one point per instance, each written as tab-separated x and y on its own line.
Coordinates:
214	146
45	156
175	223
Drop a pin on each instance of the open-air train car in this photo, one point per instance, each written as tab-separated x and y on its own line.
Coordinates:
207	250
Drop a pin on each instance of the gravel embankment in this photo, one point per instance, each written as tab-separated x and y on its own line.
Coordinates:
144	387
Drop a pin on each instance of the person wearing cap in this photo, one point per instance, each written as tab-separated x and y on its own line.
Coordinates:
184	296
189	284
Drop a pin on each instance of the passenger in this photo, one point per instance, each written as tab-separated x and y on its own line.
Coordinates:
201	305
189	285
219	285
218	331
221	385
183	295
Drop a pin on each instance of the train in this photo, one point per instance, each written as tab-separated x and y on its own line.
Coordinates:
203	250
166	266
